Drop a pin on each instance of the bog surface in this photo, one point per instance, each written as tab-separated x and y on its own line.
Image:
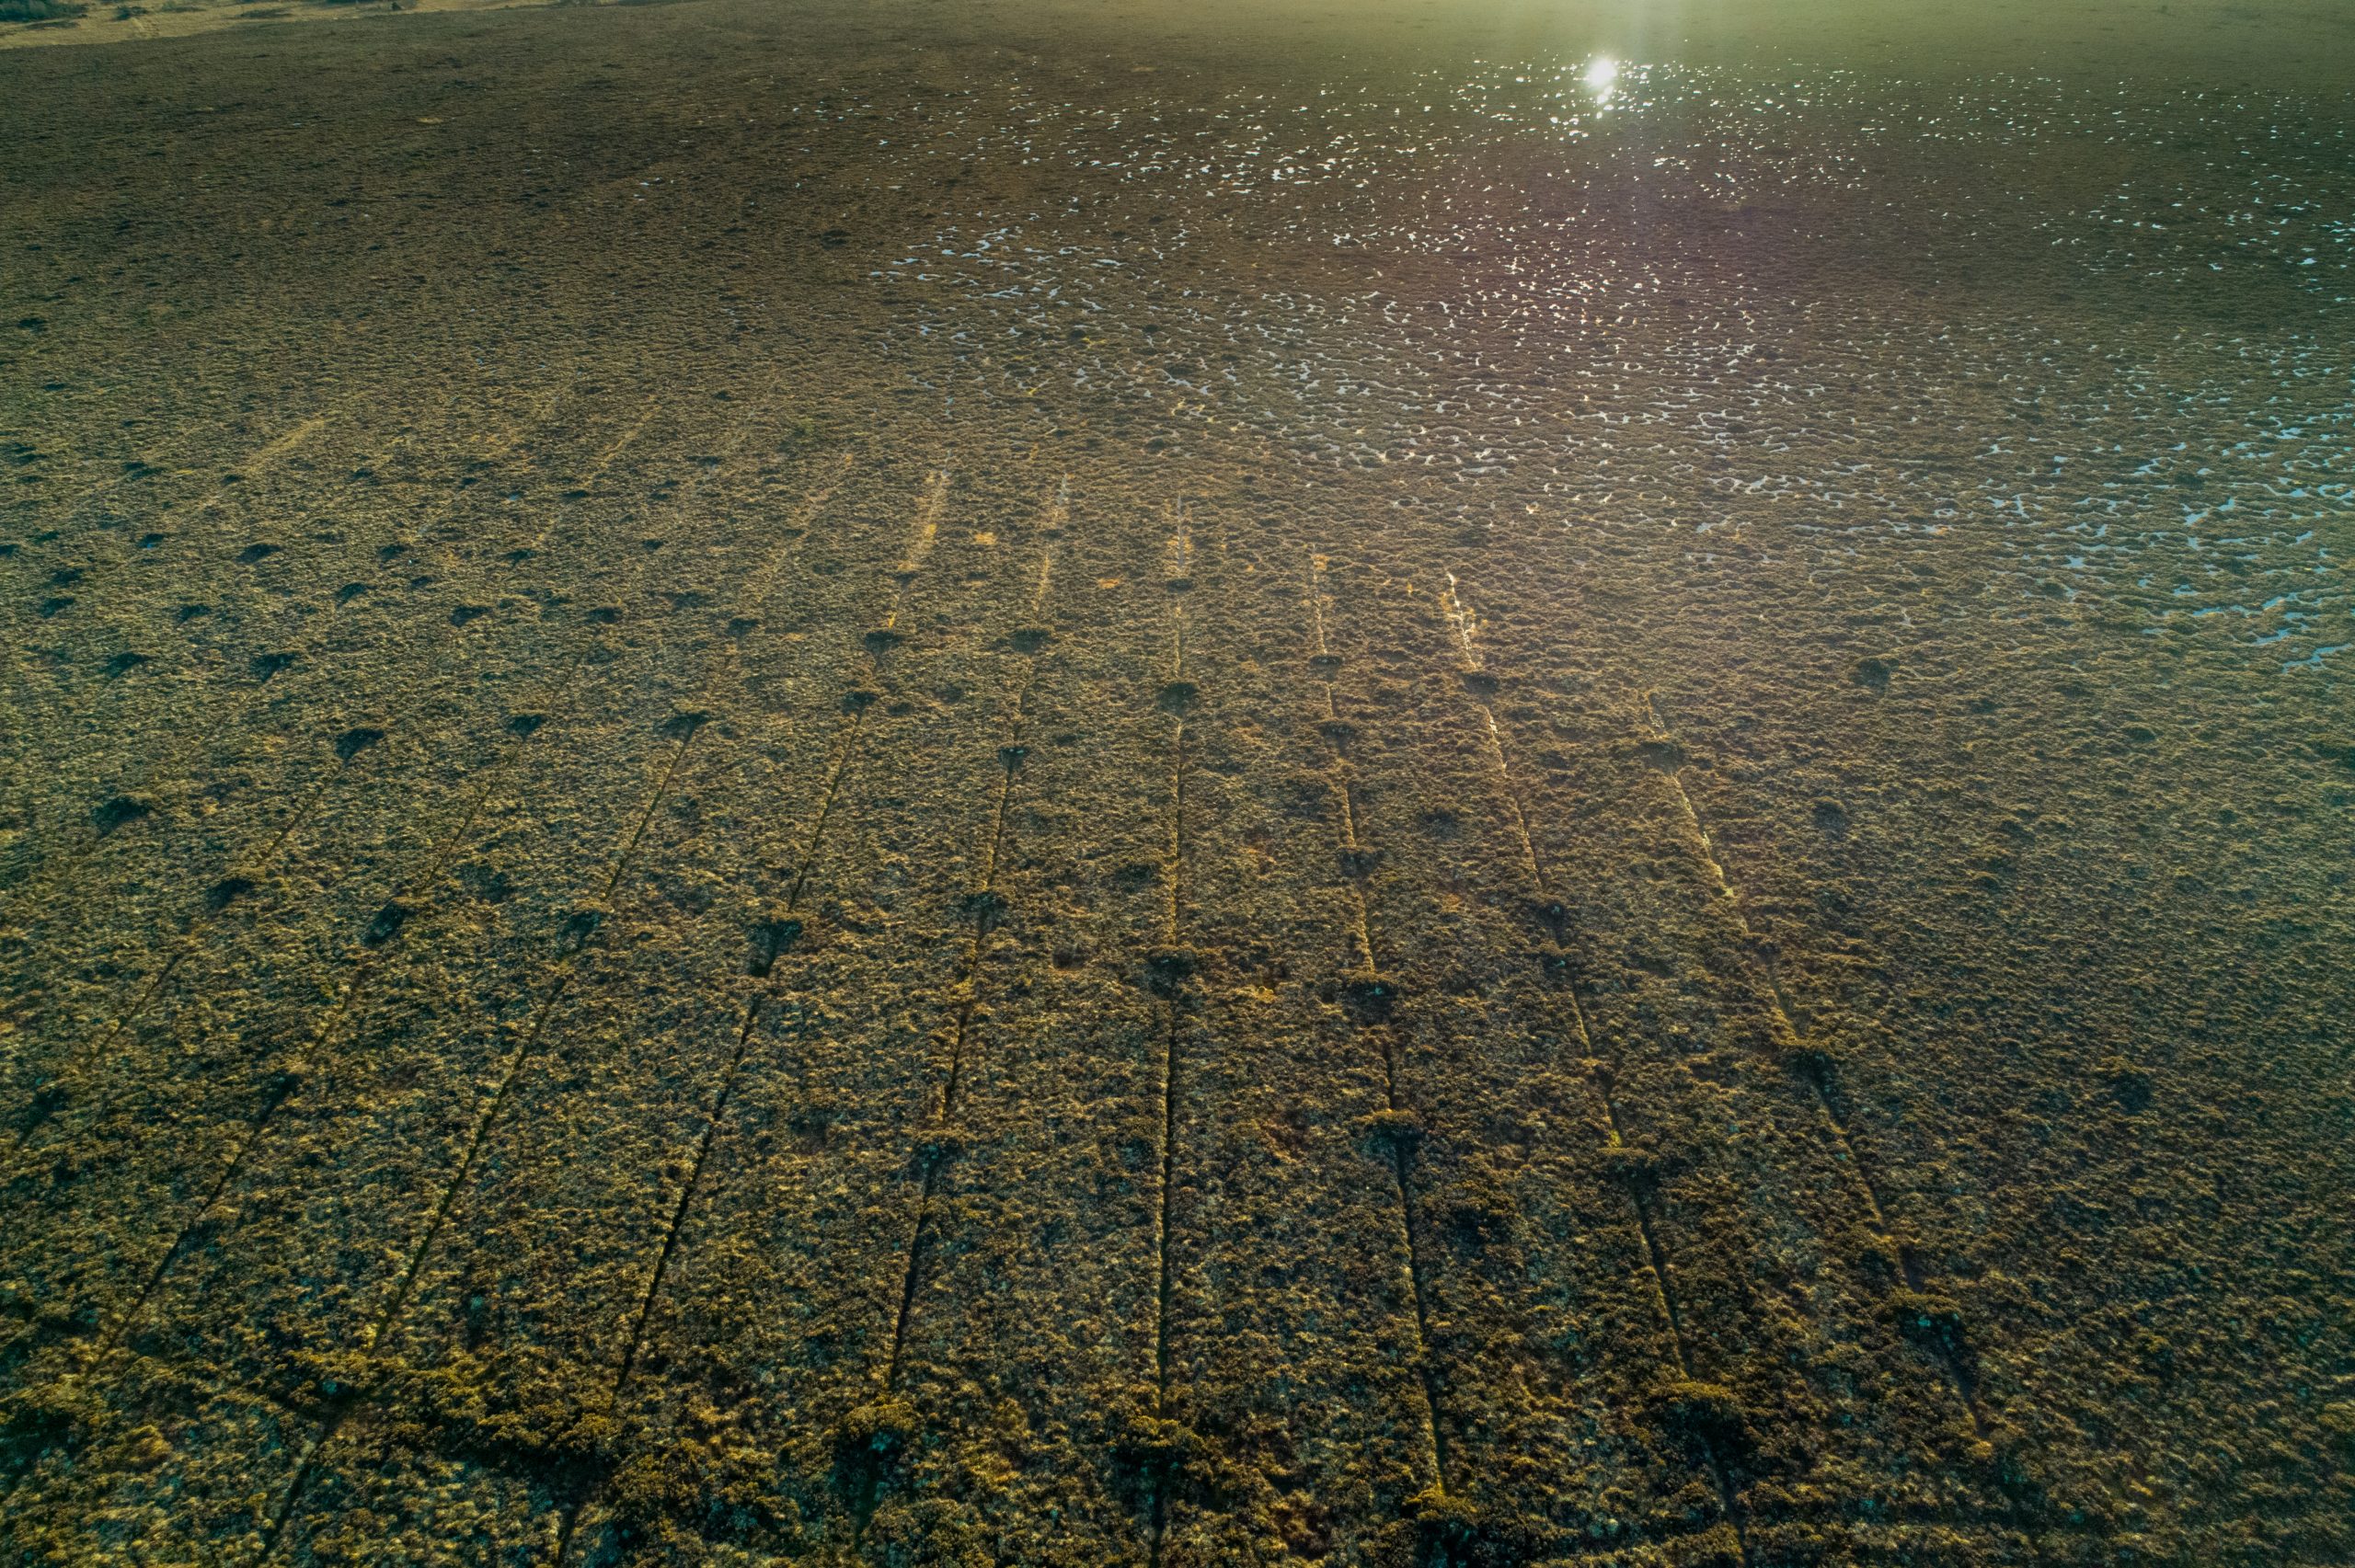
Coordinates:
1406	786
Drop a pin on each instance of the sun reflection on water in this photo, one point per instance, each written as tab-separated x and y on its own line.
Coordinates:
1601	76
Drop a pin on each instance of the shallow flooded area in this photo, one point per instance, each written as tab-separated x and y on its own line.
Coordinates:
1405	786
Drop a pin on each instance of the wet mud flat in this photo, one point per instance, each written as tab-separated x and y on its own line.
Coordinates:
1054	786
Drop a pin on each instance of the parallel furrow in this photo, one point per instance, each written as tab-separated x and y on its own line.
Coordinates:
373	1338
1943	1331
1170	968
250	864
688	725
1603	1064
983	907
378	950
875	645
1371	997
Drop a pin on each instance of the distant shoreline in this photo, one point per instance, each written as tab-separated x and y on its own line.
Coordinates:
101	22
2201	45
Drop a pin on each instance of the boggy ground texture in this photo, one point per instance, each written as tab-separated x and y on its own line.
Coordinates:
914	786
